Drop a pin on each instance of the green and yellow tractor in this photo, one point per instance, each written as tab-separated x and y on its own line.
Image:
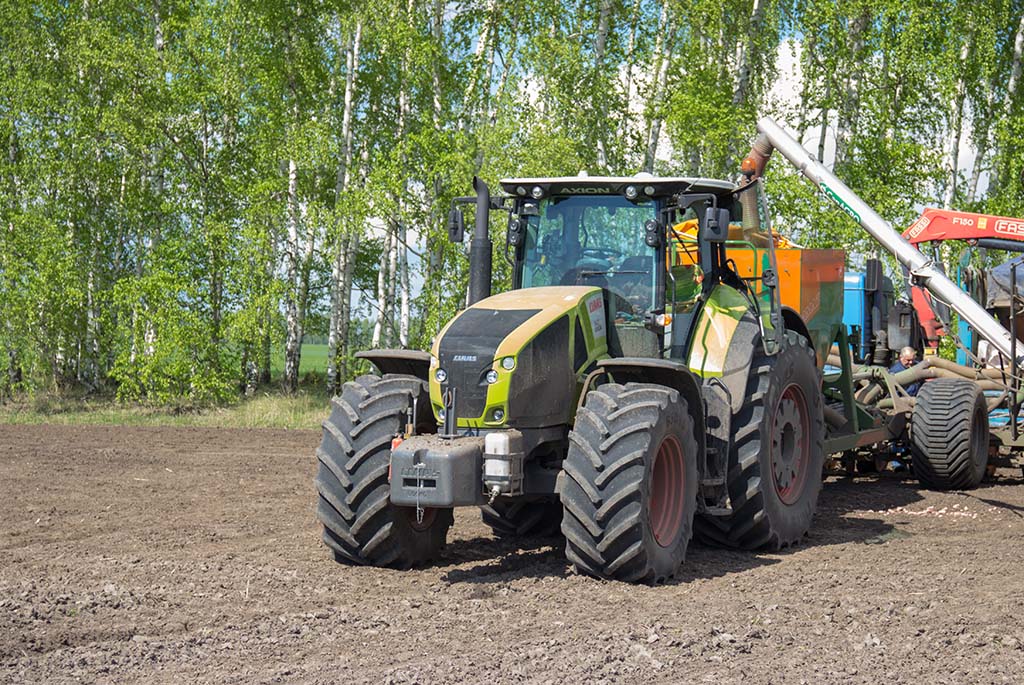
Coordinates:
651	376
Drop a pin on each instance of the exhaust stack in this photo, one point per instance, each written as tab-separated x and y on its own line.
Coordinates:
922	270
480	246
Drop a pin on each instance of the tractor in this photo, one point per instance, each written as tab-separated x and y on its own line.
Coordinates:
648	377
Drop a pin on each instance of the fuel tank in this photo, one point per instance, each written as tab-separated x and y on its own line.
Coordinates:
518	358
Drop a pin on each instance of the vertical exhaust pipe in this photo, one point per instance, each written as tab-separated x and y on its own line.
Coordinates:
480	247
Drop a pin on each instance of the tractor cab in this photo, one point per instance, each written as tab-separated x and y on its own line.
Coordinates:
617	234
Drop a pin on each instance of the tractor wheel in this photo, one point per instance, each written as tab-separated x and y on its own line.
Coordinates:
629	487
949	435
776	454
361	526
521	518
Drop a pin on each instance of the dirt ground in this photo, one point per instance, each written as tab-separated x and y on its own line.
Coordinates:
192	555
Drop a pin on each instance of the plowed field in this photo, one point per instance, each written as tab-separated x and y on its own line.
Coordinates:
192	555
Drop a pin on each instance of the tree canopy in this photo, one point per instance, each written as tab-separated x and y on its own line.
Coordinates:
190	188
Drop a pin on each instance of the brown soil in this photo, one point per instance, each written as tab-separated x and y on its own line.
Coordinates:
192	555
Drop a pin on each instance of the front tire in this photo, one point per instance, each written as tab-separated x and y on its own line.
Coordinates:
776	454
522	518
949	435
630	483
360	525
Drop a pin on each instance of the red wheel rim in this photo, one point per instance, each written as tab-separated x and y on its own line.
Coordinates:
668	481
429	514
790	444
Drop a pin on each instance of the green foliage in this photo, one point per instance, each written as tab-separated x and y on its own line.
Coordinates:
144	175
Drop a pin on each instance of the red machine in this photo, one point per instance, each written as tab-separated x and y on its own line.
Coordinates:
937	225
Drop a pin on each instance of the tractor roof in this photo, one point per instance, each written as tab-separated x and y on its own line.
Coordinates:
579	185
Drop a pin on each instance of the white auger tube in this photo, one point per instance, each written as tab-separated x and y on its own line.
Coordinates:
924	272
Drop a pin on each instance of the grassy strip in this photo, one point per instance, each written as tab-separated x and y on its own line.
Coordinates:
312	362
304	410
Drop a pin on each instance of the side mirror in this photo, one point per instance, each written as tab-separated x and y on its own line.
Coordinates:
516	231
456	226
716	225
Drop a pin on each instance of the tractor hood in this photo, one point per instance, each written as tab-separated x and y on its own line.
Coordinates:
516	358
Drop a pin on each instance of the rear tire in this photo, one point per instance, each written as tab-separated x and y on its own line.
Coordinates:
521	518
630	483
776	455
360	525
949	435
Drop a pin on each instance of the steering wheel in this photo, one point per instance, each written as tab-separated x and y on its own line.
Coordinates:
601	252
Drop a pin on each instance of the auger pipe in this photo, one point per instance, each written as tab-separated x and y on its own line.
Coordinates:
923	271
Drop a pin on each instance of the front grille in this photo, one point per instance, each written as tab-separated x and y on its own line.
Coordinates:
467	351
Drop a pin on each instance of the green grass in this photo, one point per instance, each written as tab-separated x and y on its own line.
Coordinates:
312	361
304	410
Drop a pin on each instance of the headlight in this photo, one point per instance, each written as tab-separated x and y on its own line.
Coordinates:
498	415
508	363
492	376
440	375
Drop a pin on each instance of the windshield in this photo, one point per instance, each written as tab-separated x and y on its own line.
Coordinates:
592	240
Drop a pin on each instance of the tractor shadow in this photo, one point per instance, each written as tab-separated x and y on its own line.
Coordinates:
849	509
500	560
847	513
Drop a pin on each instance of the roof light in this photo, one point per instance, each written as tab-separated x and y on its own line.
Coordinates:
537	193
520	191
649	190
632	193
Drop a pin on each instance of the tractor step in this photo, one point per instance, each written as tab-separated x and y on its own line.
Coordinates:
712	482
718	511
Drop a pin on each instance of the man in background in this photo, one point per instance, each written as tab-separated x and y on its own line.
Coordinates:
894	462
907	358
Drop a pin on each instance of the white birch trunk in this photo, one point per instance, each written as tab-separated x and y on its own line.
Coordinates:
437	32
392	288
293	326
600	41
403	288
337	331
624	124
475	102
382	292
956	116
1015	68
1011	87
822	134
982	140
352	249
744	50
400	265
662	56
847	119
